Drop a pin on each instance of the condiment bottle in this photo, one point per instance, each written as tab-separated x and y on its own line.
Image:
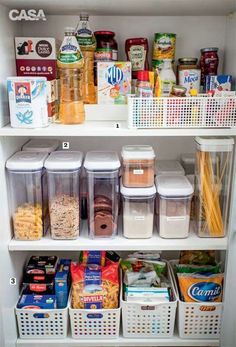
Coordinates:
70	63
167	77
144	89
137	52
87	42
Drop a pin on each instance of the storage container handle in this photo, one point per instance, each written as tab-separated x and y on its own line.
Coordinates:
94	315
39	315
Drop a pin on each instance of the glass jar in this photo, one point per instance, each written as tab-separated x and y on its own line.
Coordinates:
102	170
26	176
189	74
138	212
208	63
213	172
137	52
63	173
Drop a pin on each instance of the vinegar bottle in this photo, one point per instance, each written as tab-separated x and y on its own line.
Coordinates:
87	42
70	65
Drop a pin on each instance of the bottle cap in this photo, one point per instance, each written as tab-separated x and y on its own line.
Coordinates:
69	30
143	75
84	16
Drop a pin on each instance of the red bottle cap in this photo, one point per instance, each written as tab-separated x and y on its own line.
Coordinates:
143	75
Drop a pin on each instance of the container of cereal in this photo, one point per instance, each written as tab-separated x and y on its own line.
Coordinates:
175	194
28	102
102	171
138	166
63	173
25	172
138	212
164	46
39	145
169	167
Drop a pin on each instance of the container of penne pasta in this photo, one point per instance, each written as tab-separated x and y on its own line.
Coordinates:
28	210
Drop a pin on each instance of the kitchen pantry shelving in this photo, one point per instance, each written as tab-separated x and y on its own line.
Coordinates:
197	24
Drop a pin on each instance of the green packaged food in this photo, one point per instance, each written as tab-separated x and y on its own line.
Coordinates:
186	268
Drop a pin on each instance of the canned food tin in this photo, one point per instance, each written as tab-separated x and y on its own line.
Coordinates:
164	46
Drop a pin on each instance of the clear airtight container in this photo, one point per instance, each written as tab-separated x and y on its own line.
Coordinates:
213	182
28	211
138	212
63	173
169	167
175	194
188	162
138	166
102	170
41	145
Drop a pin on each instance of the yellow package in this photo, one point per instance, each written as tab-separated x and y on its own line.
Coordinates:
201	288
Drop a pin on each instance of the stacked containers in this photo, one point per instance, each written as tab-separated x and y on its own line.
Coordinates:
46	146
102	170
26	174
63	173
138	191
175	194
188	162
213	181
169	167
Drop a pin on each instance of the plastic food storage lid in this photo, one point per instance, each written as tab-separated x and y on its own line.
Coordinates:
101	160
173	186
131	152
188	158
36	145
169	167
150	191
26	161
64	160
214	144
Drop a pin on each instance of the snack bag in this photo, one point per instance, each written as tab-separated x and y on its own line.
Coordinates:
201	288
198	257
200	269
93	257
95	287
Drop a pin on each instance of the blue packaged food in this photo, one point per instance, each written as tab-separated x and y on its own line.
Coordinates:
218	83
35	301
62	283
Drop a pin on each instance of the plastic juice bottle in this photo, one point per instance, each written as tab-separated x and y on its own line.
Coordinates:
167	78
87	42
70	63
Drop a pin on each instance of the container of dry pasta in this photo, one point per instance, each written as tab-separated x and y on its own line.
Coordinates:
94	307
63	173
28	210
213	181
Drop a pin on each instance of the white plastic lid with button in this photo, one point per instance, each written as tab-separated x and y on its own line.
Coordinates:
150	191
39	145
101	160
173	186
131	152
26	161
64	160
214	144
169	167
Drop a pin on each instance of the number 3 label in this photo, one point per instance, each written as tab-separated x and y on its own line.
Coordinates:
12	281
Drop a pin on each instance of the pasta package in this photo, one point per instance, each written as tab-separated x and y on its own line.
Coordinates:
93	257
94	286
201	288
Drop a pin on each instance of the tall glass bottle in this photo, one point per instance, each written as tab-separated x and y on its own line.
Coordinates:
87	42
70	63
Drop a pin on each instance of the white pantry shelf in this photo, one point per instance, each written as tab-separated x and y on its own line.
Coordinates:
120	243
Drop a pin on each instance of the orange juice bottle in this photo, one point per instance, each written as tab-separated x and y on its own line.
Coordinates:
87	42
70	63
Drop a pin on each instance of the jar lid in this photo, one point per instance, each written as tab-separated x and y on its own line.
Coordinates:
101	160
64	160
214	144
169	167
38	145
209	49
143	75
173	186
26	161
137	152
188	61
150	191
104	32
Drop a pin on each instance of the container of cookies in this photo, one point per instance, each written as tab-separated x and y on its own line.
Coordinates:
102	170
63	174
138	166
26	177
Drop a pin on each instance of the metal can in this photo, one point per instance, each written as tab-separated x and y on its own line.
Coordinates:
164	46
189	74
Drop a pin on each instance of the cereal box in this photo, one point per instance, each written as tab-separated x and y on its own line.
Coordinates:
114	82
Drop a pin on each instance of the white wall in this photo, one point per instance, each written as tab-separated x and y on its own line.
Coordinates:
230	56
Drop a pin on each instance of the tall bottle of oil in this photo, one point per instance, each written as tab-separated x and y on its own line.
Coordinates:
87	42
70	63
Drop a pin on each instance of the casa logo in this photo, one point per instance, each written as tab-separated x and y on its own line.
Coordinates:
204	291
114	75
27	15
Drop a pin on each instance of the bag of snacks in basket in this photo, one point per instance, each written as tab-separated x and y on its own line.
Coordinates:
94	286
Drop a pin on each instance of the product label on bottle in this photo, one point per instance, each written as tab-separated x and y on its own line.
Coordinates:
69	51
143	92
138	172
86	38
105	54
190	79
137	56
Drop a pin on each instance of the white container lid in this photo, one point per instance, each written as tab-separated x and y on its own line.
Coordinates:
39	145
101	160
132	192
64	160
26	161
169	167
137	152
173	186
188	158
214	144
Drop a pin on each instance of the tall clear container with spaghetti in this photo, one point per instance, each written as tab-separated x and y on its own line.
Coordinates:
28	208
70	63
213	181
